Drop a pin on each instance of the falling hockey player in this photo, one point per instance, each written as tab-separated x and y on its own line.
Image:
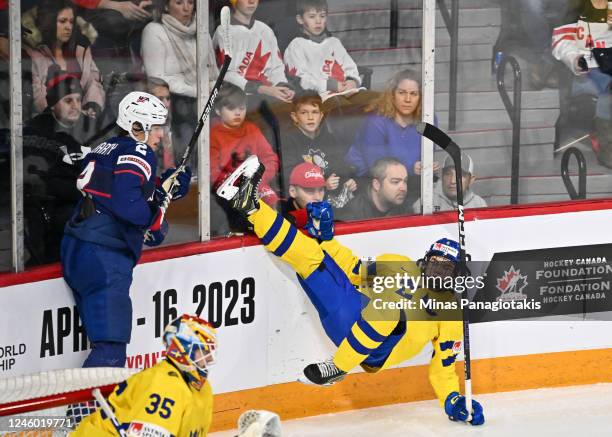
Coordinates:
330	274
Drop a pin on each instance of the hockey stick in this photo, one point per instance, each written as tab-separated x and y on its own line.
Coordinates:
170	183
441	139
108	411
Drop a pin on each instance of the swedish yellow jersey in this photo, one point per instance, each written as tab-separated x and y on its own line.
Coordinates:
158	396
443	328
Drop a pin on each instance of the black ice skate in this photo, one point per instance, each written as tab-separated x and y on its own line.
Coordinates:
240	189
323	373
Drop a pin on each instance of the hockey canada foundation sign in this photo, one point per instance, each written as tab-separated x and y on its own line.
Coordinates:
561	281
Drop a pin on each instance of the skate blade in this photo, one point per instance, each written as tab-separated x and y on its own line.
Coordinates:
228	190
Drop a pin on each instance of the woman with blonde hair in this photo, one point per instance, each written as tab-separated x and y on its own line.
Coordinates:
390	130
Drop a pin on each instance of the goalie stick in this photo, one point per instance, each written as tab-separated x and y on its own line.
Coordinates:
441	139
170	183
108	411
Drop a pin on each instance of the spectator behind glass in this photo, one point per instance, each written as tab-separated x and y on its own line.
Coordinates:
257	67
310	141
306	185
119	25
318	60
54	145
64	46
573	44
169	53
538	23
165	153
169	47
391	132
386	193
233	139
445	190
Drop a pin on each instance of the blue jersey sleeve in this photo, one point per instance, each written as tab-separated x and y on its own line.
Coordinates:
133	183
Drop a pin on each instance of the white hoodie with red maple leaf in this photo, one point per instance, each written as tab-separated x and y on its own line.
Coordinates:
256	58
320	65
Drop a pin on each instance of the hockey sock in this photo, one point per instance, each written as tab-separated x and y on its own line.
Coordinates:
361	341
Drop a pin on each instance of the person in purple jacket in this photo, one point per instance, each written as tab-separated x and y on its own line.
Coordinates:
390	130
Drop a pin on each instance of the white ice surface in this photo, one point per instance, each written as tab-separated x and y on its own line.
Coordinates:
582	411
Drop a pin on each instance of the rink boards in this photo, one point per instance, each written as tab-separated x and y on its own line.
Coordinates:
269	331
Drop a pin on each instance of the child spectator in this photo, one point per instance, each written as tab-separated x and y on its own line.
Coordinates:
445	191
318	60
64	46
233	139
391	132
306	184
574	44
310	141
257	67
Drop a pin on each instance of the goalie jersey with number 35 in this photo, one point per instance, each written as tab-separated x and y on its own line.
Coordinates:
155	402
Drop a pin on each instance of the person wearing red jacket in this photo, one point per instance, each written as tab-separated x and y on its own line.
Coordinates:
233	139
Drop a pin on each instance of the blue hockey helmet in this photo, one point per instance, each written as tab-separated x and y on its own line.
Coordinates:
446	248
440	263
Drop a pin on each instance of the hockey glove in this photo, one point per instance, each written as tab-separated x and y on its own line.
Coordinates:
181	186
155	237
320	220
454	406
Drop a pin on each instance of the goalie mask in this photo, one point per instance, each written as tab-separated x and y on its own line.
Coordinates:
441	262
191	344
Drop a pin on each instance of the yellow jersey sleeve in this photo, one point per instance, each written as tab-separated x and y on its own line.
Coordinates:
442	372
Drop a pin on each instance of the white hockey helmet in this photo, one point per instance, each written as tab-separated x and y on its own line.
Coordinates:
143	108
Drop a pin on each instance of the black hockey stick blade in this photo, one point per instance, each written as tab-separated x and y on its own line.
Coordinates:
434	134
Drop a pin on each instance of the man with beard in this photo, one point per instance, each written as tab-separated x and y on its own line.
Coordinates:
385	195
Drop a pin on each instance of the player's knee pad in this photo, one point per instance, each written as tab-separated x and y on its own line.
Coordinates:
106	354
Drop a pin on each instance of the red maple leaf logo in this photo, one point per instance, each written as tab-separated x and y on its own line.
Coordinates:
512	281
254	70
291	71
504	282
220	55
337	72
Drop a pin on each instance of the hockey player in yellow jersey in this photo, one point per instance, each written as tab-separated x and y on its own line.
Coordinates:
331	276
172	398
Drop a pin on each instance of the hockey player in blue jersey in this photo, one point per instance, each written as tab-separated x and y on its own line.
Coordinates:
122	201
